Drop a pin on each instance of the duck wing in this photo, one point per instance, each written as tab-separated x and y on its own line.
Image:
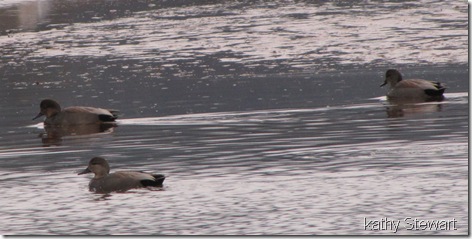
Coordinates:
144	179
429	87
437	89
103	115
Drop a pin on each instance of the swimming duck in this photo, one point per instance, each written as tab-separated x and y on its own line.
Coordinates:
106	182
73	115
412	88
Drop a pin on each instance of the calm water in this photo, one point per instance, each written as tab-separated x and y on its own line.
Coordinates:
266	117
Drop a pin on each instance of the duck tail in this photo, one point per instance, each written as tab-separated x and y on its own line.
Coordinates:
115	113
434	93
109	117
157	182
106	118
439	91
439	85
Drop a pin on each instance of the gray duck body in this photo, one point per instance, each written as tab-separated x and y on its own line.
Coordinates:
416	89
73	115
106	182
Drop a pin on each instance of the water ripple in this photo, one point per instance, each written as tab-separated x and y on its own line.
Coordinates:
258	35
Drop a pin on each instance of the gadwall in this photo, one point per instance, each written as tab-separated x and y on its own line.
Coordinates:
105	182
412	88
73	115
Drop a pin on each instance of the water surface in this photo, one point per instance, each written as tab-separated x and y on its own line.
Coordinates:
266	117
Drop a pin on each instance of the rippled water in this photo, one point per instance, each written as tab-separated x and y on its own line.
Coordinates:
266	117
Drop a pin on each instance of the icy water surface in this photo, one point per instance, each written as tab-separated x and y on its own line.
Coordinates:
266	117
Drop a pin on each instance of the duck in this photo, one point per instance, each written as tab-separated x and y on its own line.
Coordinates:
73	115
121	181
412	89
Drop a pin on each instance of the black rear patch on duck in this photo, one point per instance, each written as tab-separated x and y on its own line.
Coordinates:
159	180
437	92
106	118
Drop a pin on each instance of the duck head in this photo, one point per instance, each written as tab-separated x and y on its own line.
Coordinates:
97	165
392	77
48	108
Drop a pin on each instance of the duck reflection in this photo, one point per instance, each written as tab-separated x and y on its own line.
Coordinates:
54	134
25	15
401	108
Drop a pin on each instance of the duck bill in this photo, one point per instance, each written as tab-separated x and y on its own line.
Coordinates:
383	84
37	116
85	171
